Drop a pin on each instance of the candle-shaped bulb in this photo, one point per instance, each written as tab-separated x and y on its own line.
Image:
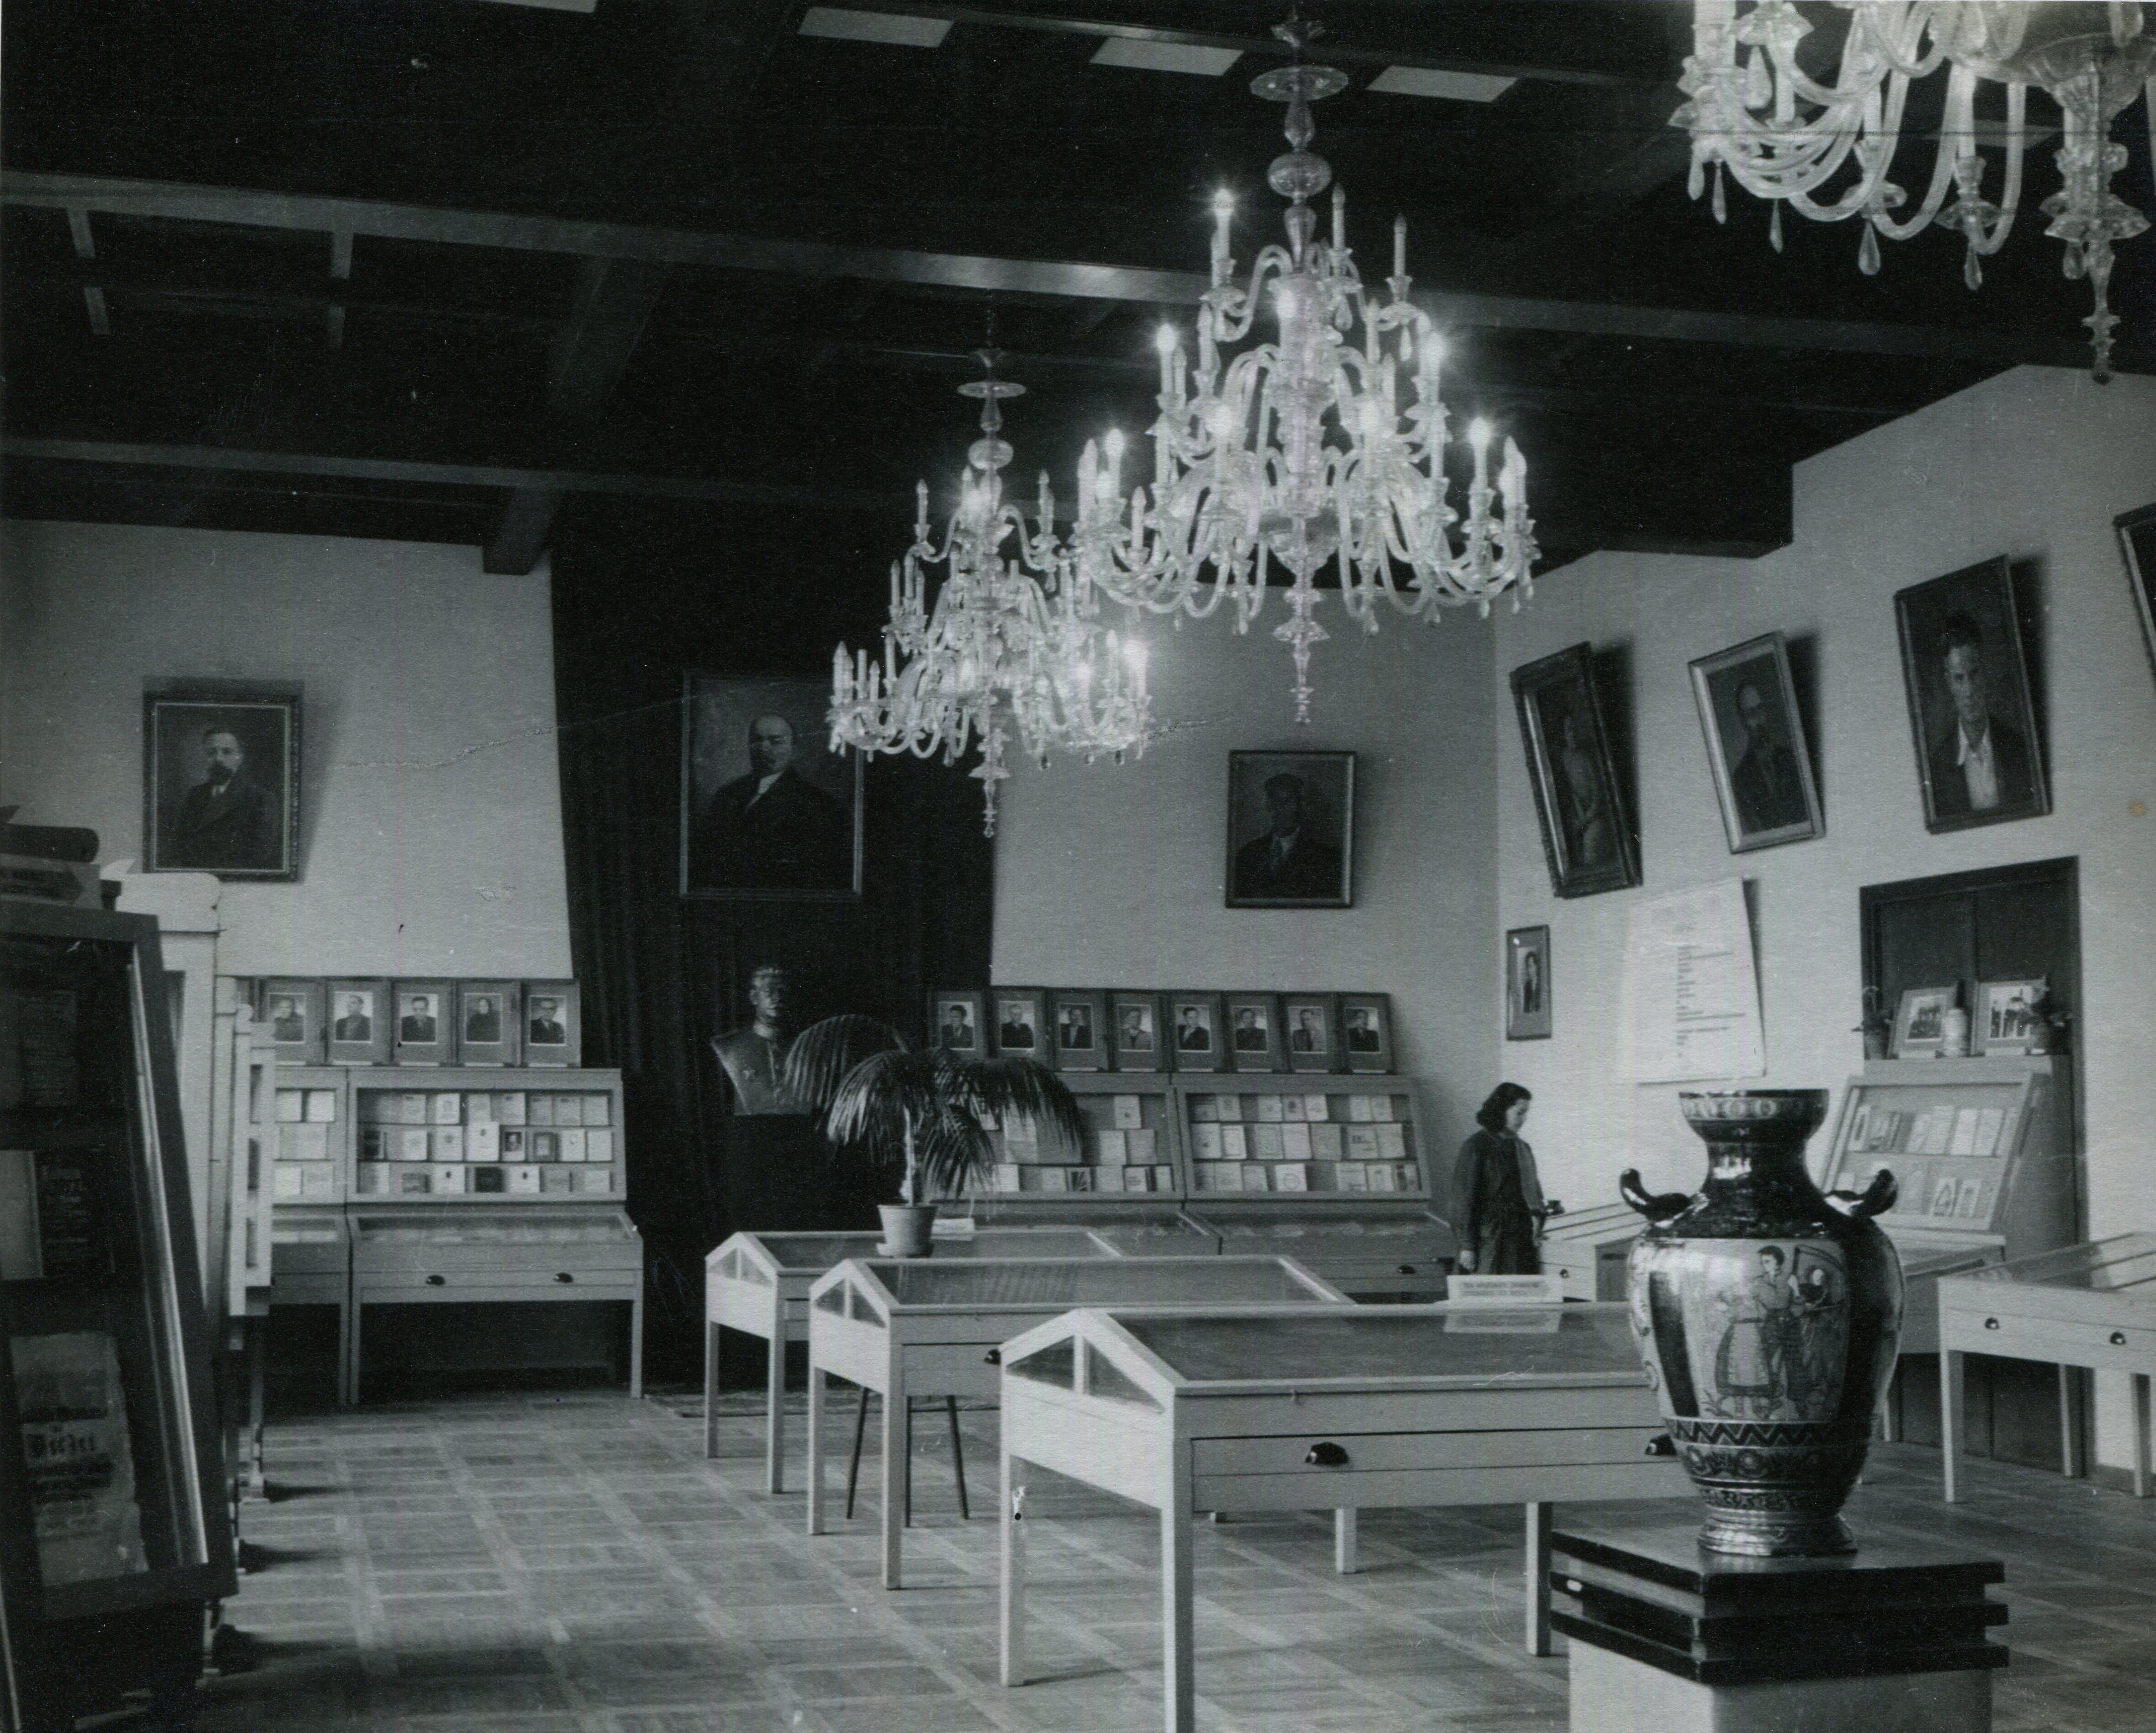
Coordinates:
921	505
1115	445
1399	246
1165	340
838	672
1223	206
1478	435
1339	219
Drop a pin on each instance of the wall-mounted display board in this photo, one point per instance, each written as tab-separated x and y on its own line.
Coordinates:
113	1533
1331	1171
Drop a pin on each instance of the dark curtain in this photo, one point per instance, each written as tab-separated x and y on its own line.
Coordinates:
660	975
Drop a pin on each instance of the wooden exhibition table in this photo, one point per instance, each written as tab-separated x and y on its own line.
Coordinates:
1301	1407
908	1329
758	1284
2092	1305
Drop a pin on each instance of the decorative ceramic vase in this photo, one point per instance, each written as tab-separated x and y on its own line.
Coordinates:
1768	1316
908	1229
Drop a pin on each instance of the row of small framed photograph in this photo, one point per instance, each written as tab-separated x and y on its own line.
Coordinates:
422	1022
1100	1030
2011	1017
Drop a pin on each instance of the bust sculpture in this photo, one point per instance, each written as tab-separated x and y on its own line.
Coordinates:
755	1057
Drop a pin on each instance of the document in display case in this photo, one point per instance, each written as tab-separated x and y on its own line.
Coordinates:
1127	1168
113	1534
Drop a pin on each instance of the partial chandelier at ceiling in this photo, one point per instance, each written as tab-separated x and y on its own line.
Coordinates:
1326	444
1784	135
1011	646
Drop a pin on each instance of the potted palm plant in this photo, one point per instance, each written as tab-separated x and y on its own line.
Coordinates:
917	1114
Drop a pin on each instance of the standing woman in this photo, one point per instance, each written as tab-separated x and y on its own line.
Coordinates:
1496	1199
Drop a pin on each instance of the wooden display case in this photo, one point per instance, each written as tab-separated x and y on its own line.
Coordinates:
114	1535
1130	1169
1356	1210
1300	1409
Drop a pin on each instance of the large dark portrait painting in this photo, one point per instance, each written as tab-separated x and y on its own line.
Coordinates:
1755	745
1291	830
1978	756
1586	831
221	780
767	810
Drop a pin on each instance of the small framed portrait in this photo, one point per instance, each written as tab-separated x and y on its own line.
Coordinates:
1579	802
553	1023
768	812
221	779
955	1020
1194	1032
490	1022
1313	1032
425	1014
1081	1031
2136	546
1134	1026
1291	830
1021	1026
1978	760
291	1012
1755	746
1920	1021
2007	1018
1253	1032
1527	984
1366	1031
359	1022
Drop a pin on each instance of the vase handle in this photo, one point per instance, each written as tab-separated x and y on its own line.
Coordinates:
1657	1207
1876	1199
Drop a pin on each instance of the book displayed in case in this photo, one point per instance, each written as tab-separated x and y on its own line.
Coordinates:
1983	1151
1129	1155
465	1135
1330	1170
111	1520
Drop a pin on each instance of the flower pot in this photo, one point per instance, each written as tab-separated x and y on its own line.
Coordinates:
1769	1317
907	1229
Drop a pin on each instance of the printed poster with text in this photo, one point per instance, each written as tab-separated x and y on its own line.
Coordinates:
1691	988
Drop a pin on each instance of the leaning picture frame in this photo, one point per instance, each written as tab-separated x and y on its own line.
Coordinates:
1527	988
1134	1023
2137	547
1019	1017
768	814
1253	1028
221	779
1195	1026
1311	1026
1972	718
358	1021
1081	1030
291	1013
1755	750
423	1023
553	1023
958	1020
2007	1018
1366	1031
1572	770
1920	1021
490	1022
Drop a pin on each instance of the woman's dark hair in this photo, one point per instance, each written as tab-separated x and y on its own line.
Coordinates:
1491	1115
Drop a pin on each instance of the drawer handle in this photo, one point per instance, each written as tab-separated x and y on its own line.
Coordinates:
2118	1338
563	1275
1991	1323
1326	1454
994	1356
437	1281
1661	1444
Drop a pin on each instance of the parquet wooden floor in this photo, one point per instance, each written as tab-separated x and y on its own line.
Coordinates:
571	1564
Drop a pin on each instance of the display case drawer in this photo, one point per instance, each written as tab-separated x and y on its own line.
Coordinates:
505	1260
564	1279
2069	1343
1318	1453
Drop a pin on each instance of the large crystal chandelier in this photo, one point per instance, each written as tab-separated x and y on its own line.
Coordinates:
1785	135
1011	646
1327	443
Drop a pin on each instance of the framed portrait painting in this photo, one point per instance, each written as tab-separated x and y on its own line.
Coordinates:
221	780
359	1022
1586	833
1755	745
1193	1031
290	1012
955	1020
1366	1031
1021	1023
1253	1032
1527	984
768	812
553	1023
2136	546
424	1014
1978	759
1291	830
1081	1031
490	1022
1313	1031
1134	1022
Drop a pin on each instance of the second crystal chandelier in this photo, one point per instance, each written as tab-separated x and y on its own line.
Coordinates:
1326	444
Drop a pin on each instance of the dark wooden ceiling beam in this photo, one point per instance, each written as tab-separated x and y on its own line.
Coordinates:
1068	279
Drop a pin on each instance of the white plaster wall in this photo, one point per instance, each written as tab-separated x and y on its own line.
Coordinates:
430	823
1113	876
2033	464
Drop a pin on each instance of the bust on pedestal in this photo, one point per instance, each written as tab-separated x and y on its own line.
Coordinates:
778	1175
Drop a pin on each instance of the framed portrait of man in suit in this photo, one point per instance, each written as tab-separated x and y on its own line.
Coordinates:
221	779
769	812
359	1022
1755	745
423	1019
1980	759
1291	830
290	1012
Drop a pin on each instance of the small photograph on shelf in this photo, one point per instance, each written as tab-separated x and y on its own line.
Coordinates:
955	1021
426	1022
1253	1032
1313	1041
1135	1020
1081	1034
1527	984
1195	1026
291	1012
1021	1015
1970	710
489	1025
359	1022
1920	1023
1290	829
1755	745
2007	1019
553	1023
1366	1031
